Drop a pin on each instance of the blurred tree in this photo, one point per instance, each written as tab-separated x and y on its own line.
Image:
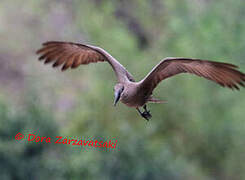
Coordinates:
28	160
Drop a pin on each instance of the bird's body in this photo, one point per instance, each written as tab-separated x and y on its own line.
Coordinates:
127	90
132	96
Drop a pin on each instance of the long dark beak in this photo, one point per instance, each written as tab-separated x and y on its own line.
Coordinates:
116	97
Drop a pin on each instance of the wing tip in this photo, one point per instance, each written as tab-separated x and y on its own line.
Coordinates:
39	51
51	42
64	68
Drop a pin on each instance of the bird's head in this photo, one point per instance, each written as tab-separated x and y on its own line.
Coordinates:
118	89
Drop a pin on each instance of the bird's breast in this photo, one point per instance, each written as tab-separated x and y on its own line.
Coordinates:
132	98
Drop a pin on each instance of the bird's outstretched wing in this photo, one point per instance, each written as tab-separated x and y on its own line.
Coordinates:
71	55
224	74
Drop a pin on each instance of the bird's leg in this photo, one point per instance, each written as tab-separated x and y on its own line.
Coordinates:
145	108
145	114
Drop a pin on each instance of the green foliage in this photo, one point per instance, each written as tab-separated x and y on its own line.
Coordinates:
23	159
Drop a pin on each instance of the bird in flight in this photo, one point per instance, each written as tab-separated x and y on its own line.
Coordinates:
127	90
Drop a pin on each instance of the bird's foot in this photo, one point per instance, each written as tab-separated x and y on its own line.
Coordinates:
146	114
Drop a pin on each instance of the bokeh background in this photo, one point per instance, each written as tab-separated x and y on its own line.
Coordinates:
198	134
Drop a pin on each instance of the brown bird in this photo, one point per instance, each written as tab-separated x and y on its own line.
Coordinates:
127	90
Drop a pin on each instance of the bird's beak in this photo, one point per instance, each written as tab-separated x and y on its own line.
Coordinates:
116	97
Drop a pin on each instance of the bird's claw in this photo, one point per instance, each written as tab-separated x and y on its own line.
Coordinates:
146	115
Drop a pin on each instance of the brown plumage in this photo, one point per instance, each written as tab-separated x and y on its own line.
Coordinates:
70	55
137	94
224	74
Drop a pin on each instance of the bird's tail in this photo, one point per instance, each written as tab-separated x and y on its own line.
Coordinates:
155	100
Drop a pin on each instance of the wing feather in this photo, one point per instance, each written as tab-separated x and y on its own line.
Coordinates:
223	74
72	55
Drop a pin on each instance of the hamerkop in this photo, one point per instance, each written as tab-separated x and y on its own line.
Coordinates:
127	90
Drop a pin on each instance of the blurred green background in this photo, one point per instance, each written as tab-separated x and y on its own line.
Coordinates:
198	134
